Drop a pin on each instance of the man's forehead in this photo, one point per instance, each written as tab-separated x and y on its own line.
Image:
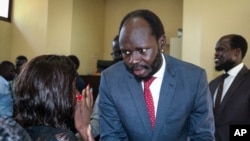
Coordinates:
223	42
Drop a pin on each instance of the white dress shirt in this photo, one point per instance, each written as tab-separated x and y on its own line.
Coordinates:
155	87
228	81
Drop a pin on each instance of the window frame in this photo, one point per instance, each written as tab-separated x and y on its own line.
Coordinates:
8	19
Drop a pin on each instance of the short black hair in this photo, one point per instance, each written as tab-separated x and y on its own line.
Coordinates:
7	70
21	57
75	60
4	65
116	39
237	41
152	19
20	60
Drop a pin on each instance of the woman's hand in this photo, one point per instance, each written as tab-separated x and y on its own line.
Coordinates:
83	110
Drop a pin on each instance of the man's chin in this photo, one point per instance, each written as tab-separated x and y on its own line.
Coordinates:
142	77
218	68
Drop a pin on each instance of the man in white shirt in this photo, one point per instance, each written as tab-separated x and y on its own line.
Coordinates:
233	106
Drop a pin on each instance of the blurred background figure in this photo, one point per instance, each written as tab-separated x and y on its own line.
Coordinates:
20	60
116	52
7	74
116	56
80	84
10	130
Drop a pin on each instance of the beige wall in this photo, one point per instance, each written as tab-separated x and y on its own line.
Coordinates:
5	30
56	27
59	25
87	33
205	22
86	27
29	28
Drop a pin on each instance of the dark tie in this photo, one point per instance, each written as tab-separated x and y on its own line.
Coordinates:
149	100
219	92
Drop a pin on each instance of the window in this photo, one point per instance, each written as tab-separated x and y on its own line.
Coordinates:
5	10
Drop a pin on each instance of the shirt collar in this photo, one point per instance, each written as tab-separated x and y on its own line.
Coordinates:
234	71
3	80
160	72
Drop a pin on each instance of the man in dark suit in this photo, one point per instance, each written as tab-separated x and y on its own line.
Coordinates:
233	105
179	97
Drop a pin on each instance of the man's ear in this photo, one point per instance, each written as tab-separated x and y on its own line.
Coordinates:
238	53
162	42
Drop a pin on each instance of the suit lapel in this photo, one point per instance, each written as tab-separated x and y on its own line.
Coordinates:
137	96
214	85
234	86
166	95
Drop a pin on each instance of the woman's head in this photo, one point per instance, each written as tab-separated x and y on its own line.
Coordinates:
45	92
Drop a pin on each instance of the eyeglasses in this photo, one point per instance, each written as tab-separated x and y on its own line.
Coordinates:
116	54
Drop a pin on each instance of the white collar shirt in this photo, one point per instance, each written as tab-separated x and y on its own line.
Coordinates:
228	81
155	87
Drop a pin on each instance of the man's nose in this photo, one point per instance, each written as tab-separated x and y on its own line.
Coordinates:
135	57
